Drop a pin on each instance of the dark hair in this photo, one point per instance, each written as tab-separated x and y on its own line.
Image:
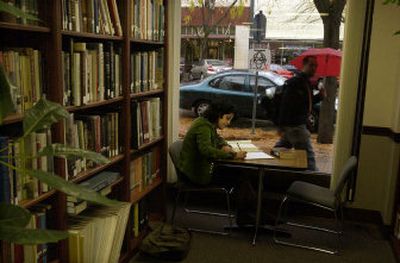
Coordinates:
307	59
217	110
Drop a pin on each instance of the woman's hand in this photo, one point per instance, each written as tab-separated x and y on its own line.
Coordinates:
227	149
240	155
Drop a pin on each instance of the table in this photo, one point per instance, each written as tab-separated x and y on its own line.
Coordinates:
297	161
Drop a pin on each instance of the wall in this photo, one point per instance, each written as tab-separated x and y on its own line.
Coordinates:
379	154
174	49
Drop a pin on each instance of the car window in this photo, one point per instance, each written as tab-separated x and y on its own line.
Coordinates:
215	62
215	82
263	83
232	82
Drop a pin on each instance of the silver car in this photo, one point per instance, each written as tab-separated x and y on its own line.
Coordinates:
207	67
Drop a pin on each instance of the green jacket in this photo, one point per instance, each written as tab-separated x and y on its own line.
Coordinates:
200	147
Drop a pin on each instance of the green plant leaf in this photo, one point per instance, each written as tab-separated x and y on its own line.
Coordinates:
70	188
42	115
61	150
4	7
13	215
6	102
397	33
26	236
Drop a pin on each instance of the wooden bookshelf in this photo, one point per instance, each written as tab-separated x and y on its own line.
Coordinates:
147	42
83	35
90	172
21	27
95	104
137	195
13	118
52	40
147	146
41	198
147	94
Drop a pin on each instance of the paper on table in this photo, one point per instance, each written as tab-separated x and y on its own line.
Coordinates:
257	155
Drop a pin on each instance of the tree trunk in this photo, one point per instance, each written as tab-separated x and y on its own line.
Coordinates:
327	109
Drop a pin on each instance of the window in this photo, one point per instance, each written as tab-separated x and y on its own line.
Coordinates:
234	83
263	83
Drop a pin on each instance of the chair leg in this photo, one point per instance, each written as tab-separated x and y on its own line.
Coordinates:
175	205
338	229
228	206
282	207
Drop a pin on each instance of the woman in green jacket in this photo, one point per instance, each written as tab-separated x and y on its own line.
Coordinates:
202	144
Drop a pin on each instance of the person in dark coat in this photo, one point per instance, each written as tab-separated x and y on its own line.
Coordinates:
296	105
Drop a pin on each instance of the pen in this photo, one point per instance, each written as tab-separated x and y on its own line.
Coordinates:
240	149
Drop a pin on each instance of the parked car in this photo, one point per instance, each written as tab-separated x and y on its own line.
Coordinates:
278	69
237	88
207	67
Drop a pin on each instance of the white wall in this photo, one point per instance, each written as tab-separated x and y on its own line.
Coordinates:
241	58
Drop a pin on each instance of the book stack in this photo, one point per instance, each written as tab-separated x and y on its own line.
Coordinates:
97	234
144	170
27	6
31	253
146	121
16	186
91	73
99	183
23	67
147	20
98	133
147	71
92	16
140	217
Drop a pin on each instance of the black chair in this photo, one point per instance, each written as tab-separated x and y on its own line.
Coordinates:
185	187
321	197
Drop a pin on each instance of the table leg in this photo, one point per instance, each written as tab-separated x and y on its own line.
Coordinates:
259	203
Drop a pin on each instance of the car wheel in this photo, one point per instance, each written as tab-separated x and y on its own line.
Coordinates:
201	107
313	121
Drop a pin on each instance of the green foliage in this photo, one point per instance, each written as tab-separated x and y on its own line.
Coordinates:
42	115
386	2
12	215
6	104
26	236
60	150
10	9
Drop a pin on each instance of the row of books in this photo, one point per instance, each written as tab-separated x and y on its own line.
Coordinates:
147	20
147	71
27	6
97	234
16	186
31	253
144	170
101	183
91	16
23	67
98	133
140	217
91	73
146	121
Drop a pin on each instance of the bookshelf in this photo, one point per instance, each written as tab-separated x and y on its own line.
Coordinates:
51	38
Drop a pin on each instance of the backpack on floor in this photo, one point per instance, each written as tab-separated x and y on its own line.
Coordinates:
167	242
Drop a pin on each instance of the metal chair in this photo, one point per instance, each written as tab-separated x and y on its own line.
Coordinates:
185	187
321	197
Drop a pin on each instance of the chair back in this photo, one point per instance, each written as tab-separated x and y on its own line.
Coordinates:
175	152
346	175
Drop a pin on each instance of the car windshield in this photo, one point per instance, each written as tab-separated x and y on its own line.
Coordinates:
277	79
216	62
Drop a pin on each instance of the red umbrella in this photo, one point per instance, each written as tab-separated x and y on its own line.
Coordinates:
328	60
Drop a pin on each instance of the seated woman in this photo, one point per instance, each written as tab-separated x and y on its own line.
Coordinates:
202	145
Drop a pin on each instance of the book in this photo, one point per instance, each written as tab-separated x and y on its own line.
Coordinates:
99	16
144	170
147	21
96	235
